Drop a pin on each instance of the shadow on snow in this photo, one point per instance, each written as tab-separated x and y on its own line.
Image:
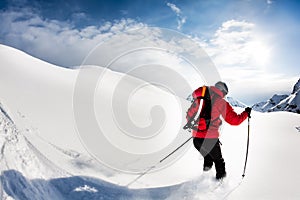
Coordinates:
17	186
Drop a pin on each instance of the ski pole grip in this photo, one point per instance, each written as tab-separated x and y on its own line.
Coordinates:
248	110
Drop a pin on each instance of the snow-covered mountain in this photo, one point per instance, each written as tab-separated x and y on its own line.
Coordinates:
267	105
42	157
296	87
235	103
290	103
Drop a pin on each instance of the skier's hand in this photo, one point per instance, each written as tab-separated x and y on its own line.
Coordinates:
248	110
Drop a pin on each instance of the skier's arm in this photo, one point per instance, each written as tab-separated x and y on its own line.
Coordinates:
231	116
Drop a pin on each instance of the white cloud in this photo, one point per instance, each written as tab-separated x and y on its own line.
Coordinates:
253	85
181	20
231	43
174	8
243	58
55	41
79	16
237	43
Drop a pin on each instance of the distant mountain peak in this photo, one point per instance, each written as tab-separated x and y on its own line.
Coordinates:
296	87
235	103
290	103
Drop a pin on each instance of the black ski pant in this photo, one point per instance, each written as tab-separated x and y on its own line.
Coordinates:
211	151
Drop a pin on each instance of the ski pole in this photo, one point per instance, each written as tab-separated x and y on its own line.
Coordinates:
175	150
154	166
247	146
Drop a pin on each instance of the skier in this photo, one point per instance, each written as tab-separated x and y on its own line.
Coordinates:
207	142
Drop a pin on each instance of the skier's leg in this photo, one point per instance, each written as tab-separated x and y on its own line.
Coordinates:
208	163
204	147
220	168
198	143
216	154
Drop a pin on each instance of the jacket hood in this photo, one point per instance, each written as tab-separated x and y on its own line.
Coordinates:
217	91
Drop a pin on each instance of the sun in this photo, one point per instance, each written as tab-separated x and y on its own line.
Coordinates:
260	53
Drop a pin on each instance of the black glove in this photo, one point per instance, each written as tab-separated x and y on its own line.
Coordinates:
248	110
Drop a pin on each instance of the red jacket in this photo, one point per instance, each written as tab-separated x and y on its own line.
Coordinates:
220	107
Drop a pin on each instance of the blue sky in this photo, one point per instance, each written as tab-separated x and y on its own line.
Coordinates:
253	43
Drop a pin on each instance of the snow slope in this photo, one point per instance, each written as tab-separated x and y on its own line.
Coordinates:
42	156
40	98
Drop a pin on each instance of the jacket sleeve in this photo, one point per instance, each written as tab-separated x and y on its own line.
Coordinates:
231	116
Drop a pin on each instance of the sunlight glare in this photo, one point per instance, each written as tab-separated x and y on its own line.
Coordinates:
260	53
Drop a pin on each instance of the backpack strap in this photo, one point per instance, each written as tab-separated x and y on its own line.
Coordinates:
200	97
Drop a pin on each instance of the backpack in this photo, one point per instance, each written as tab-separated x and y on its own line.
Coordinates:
199	113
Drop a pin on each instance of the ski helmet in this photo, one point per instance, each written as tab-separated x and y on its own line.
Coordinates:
222	86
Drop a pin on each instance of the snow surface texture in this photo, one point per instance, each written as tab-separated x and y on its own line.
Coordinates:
290	103
41	158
